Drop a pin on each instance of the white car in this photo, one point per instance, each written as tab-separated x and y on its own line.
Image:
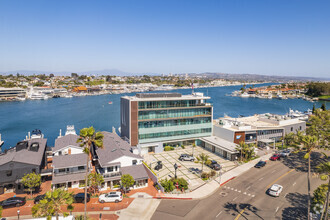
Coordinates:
275	190
111	197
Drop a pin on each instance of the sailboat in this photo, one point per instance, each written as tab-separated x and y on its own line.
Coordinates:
110	103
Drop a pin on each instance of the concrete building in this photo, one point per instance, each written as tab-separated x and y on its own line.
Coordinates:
11	93
152	120
263	128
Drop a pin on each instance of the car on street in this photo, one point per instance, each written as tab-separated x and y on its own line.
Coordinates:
111	197
159	165
39	198
13	202
285	153
260	164
214	165
80	197
186	157
275	190
275	157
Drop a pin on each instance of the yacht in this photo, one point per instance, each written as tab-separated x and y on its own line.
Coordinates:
245	95
270	96
279	96
37	96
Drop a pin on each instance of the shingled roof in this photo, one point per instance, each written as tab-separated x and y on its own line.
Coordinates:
113	148
62	142
72	160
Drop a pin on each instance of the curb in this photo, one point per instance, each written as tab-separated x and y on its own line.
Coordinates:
171	198
227	181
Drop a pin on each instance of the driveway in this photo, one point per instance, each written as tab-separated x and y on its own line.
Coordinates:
169	158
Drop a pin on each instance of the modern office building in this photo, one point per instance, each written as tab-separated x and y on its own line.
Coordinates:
152	120
261	129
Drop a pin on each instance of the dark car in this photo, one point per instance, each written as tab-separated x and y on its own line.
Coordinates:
39	198
260	164
275	157
159	165
214	165
13	202
80	197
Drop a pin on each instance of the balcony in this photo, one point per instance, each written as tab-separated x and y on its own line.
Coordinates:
69	172
178	106
108	175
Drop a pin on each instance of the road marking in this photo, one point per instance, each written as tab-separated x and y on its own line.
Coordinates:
280	177
285	195
253	195
261	178
239	215
244	193
234	198
249	194
294	184
235	190
239	191
273	171
218	214
277	208
248	188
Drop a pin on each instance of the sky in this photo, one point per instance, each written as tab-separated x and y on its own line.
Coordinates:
289	37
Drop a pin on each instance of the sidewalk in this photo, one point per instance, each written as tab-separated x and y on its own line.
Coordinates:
139	209
210	187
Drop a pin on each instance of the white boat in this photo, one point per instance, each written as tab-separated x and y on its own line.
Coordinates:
245	95
37	96
270	96
20	98
67	96
279	96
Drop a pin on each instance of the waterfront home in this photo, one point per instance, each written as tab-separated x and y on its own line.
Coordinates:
26	157
152	120
117	158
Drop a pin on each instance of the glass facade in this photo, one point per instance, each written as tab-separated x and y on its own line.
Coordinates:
174	113
174	133
169	104
176	122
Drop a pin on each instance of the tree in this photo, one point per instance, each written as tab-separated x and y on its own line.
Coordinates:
320	126
167	185
127	181
193	146
1	211
324	170
313	110
53	204
319	197
202	158
309	144
289	139
88	138
323	107
31	181
95	180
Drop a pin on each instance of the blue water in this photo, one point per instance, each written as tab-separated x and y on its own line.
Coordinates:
18	118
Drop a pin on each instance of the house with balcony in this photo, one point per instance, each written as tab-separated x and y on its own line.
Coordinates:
117	158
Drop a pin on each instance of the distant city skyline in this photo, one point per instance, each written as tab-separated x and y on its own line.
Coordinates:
284	38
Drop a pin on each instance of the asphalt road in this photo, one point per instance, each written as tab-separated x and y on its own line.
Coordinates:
245	197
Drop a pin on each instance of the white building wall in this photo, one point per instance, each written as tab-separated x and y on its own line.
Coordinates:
126	161
74	150
223	133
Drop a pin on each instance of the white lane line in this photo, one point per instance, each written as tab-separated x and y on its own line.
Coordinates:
235	190
277	208
218	214
261	178
249	194
285	195
273	171
294	184
253	195
244	193
234	198
239	191
248	188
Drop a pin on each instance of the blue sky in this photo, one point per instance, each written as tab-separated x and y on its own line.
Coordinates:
289	37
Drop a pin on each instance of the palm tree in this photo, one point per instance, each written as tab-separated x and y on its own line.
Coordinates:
324	170
289	139
241	148
53	203
88	138
202	158
309	144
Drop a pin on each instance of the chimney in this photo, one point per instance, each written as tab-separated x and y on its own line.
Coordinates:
60	132
29	135
113	130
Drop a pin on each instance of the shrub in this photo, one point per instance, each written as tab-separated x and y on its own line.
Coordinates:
208	162
167	184
183	147
116	186
167	148
212	173
196	161
205	175
183	184
172	148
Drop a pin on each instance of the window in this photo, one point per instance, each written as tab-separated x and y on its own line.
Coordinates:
134	162
60	153
33	170
81	167
291	128
110	169
300	128
61	170
9	172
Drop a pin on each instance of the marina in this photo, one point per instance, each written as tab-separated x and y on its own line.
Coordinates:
17	118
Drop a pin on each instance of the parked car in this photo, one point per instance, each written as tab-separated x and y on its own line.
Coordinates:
39	198
275	190
111	197
186	157
285	153
159	165
214	165
194	170
275	157
260	164
13	202
80	197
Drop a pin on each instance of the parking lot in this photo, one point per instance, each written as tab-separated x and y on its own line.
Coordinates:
169	158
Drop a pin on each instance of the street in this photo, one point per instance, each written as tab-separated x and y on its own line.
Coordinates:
245	196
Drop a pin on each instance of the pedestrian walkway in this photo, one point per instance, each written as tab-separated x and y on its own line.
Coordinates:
139	209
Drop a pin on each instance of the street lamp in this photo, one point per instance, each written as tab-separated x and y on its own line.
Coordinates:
175	168
18	211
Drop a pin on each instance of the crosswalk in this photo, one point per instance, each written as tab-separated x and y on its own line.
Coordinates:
239	191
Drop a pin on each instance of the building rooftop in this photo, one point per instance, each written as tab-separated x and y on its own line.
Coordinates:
70	160
221	143
25	154
165	96
113	148
136	171
64	141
